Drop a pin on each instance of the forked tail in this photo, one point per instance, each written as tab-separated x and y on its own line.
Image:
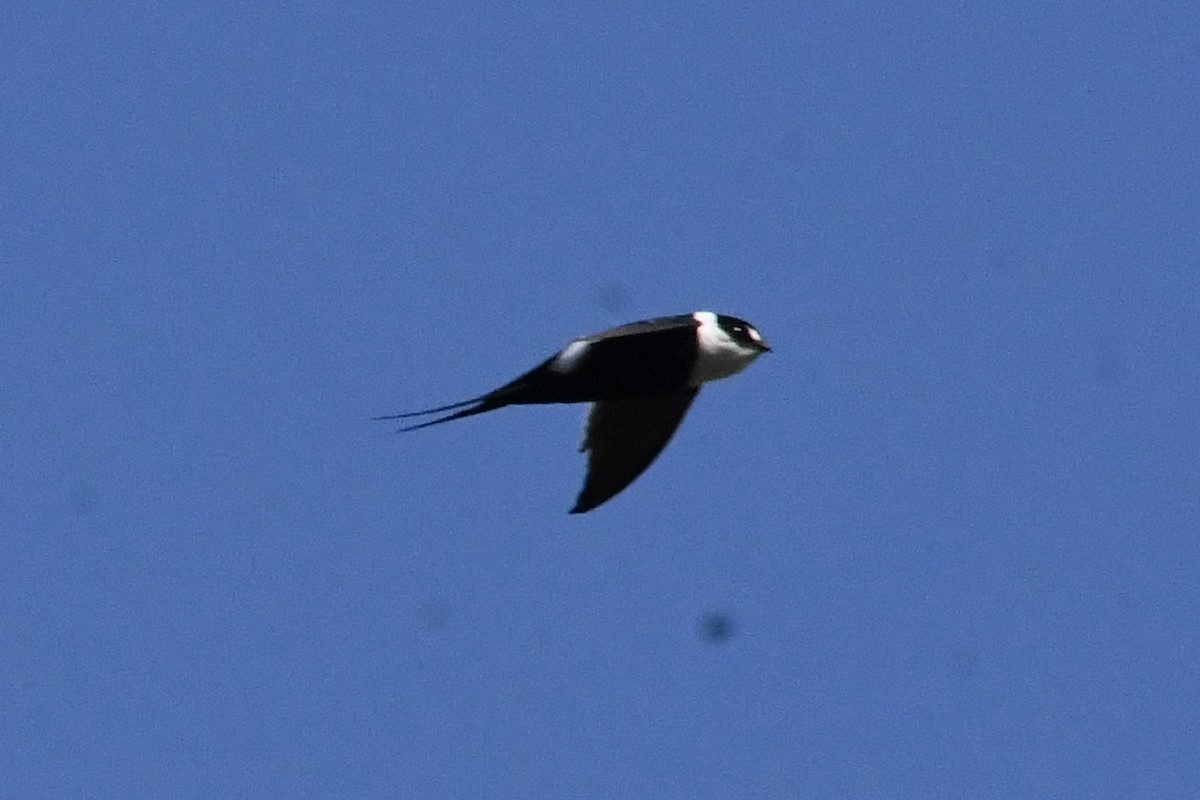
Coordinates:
481	404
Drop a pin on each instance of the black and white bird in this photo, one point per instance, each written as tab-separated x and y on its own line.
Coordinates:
640	379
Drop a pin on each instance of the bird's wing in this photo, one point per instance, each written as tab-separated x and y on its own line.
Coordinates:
644	326
622	439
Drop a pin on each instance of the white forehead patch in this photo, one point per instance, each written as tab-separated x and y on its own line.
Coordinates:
718	355
754	334
566	360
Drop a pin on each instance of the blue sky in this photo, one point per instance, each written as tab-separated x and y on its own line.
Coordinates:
951	520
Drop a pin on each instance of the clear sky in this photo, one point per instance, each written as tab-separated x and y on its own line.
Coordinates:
943	542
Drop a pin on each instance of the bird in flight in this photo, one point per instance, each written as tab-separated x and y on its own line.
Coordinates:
640	379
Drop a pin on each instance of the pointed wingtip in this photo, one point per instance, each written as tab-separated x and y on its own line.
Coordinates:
584	505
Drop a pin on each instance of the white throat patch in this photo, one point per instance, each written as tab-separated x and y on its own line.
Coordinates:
718	355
